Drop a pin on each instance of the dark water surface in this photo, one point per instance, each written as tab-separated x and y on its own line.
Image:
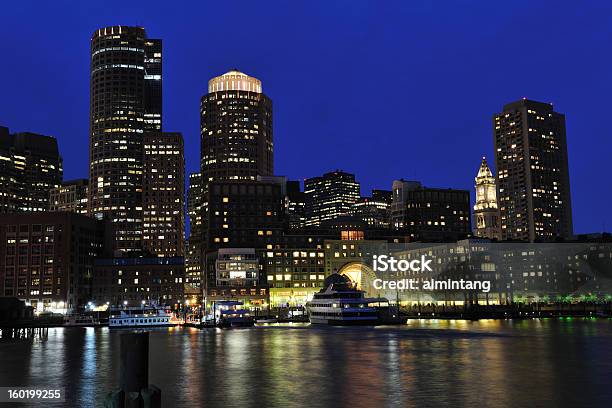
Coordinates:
524	363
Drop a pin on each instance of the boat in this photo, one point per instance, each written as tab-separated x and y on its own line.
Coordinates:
229	313
144	316
266	321
340	303
81	321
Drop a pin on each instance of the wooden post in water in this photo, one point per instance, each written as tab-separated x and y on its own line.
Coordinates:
134	389
134	362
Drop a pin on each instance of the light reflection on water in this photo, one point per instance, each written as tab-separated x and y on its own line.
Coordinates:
425	363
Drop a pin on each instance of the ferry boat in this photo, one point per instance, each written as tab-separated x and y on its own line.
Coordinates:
339	302
229	313
81	321
144	316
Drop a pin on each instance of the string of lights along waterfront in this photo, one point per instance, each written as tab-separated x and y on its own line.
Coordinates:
119	237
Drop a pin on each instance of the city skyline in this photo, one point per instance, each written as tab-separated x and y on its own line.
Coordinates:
343	153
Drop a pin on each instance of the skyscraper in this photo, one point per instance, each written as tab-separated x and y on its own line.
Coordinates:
330	196
164	194
125	102
193	255
486	211
236	134
30	166
236	129
532	172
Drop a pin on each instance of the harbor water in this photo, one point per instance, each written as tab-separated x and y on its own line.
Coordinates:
501	363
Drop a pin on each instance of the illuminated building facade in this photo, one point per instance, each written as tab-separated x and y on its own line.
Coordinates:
193	256
30	166
163	225
71	196
374	210
236	131
134	280
329	196
125	102
294	273
486	212
532	172
46	258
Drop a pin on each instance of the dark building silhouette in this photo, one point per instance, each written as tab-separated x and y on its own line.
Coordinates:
125	102
133	280
532	172
30	166
430	214
329	196
295	205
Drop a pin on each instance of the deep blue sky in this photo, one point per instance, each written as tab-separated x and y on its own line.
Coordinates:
383	89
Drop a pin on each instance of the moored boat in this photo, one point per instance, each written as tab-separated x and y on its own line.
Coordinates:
144	316
339	302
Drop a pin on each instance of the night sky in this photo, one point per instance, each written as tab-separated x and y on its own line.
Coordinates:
400	89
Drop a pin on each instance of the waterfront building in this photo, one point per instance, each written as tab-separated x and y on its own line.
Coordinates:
435	214
30	166
46	258
131	281
532	172
486	211
374	210
125	103
329	196
163	228
71	196
238	276
294	272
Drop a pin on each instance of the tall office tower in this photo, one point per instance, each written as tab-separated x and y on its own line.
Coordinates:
374	210
295	203
193	264
486	212
125	102
71	196
30	166
532	172
329	196
163	226
236	133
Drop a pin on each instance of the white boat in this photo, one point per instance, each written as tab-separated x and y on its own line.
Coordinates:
339	302
229	313
265	321
81	321
144	316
